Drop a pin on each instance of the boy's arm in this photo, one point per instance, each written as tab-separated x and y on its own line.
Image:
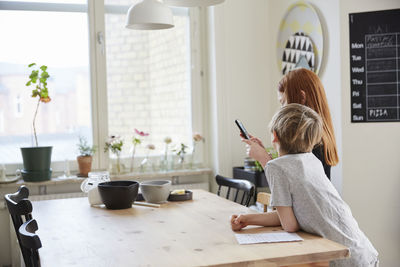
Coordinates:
262	219
282	216
287	219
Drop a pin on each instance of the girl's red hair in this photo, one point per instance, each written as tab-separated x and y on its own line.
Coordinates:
292	85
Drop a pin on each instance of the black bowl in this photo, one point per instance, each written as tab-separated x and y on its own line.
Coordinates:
118	194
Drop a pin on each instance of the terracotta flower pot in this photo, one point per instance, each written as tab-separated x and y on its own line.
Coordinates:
85	165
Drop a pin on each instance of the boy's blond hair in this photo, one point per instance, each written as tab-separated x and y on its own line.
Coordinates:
298	128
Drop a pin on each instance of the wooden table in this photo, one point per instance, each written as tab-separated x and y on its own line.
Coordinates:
189	233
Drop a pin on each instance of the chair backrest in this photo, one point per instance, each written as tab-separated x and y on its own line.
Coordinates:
264	198
245	186
30	241
20	209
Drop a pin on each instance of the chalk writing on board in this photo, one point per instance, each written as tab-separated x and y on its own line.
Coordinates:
375	66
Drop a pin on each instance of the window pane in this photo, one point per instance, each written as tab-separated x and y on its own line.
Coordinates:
60	41
148	82
121	2
53	1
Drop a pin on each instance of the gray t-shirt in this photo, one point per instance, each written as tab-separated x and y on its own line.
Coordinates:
299	181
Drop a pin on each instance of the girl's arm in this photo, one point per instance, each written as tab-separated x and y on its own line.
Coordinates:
282	216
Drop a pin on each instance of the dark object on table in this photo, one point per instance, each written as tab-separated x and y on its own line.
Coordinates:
31	241
20	209
118	194
187	196
240	185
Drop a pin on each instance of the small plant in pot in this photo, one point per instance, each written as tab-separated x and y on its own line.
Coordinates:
85	156
37	159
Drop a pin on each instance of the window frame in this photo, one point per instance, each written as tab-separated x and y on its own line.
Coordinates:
96	11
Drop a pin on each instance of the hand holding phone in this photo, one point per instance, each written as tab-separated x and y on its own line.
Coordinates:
242	129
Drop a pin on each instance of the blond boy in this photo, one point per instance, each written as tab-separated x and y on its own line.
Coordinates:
303	197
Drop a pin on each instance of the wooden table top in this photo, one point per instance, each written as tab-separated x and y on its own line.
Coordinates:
188	233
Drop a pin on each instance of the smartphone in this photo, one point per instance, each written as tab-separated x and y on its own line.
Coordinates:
242	129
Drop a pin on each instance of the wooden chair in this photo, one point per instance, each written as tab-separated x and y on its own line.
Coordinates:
240	185
30	241
264	199
20	209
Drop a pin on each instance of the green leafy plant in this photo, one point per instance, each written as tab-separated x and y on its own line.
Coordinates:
38	77
181	152
84	148
114	144
136	141
274	155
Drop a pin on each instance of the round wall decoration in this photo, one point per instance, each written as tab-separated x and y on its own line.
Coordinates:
298	52
301	22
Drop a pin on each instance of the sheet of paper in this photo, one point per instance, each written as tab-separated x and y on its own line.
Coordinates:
244	239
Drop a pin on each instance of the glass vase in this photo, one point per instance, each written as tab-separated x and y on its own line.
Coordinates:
132	158
192	158
118	165
164	162
143	164
181	161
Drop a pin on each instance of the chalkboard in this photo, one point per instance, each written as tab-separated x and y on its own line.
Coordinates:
375	66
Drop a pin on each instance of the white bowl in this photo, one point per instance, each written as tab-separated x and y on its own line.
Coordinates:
155	191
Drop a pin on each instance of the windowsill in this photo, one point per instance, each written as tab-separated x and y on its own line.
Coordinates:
53	181
136	176
161	174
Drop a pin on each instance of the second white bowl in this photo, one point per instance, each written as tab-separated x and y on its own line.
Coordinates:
155	191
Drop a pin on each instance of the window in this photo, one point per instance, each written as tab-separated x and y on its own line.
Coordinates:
148	79
137	79
1	121
18	107
60	41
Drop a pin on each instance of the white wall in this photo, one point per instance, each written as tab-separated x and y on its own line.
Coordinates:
328	12
239	74
245	74
244	78
371	157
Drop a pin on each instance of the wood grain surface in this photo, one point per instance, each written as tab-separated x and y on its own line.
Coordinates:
188	233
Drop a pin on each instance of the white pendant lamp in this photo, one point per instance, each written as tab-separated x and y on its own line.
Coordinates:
149	15
192	3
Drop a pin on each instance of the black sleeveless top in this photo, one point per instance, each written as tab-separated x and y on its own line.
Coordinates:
318	151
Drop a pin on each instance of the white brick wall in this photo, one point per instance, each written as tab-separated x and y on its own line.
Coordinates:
148	81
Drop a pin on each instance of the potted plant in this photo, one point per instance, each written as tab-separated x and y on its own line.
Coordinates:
85	157
37	159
